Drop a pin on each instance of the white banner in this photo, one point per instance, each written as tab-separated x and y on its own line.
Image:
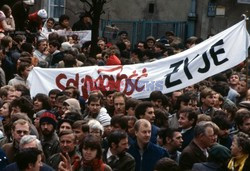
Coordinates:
244	1
216	54
83	36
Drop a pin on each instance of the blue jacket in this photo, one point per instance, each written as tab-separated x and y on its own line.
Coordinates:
151	154
154	133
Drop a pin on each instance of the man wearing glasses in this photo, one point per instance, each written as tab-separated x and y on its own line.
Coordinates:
19	128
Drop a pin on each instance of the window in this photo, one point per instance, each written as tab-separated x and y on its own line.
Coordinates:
55	8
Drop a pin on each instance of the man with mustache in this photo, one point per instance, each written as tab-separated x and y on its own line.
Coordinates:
68	144
116	156
49	139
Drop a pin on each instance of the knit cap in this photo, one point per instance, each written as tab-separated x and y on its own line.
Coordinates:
48	117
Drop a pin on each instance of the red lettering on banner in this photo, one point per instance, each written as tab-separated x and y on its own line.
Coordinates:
104	81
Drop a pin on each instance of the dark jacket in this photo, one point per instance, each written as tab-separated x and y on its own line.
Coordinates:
206	166
126	162
187	137
154	133
10	150
50	146
151	154
190	155
3	160
14	167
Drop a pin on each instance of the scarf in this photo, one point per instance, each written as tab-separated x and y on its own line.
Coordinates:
237	164
95	164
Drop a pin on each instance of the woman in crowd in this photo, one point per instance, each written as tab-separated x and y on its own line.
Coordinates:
91	157
240	151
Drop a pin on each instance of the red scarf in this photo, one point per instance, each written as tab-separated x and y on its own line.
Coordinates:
95	164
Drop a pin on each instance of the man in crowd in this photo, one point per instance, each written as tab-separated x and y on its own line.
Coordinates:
145	110
119	103
187	121
146	154
242	120
196	151
171	140
67	145
20	128
116	156
50	142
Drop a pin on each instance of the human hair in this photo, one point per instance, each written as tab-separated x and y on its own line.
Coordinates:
206	92
161	118
5	8
185	97
203	117
67	132
21	122
241	116
243	141
54	36
221	120
39	42
94	124
166	164
120	120
44	99
221	87
131	102
5	41
23	89
190	114
119	94
26	157
26	139
51	19
24	104
27	47
163	133
142	107
22	66
201	127
116	136
82	124
62	18
55	43
54	91
70	122
93	143
155	95
95	98
140	122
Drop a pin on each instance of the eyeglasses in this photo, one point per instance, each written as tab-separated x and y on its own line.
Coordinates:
20	132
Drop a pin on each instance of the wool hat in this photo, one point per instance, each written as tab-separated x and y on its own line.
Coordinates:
219	153
150	38
48	117
245	104
105	120
74	105
29	2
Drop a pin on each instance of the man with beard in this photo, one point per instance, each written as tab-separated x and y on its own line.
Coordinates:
67	146
50	142
116	156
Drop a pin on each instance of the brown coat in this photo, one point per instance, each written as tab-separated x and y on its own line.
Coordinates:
10	151
190	155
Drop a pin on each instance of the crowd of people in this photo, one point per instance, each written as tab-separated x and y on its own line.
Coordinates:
203	127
